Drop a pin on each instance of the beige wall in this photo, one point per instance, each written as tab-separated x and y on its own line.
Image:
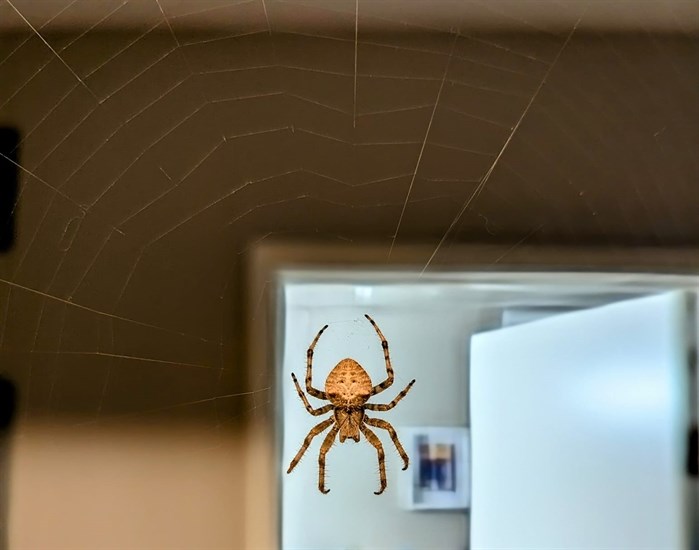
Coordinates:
126	486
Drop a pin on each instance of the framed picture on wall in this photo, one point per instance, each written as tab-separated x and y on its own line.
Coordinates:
440	468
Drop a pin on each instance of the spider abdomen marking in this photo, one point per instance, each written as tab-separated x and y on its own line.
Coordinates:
348	384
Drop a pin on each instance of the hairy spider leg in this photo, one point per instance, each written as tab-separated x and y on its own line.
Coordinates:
315	430
387	358
309	365
389	406
315	412
378	423
374	440
324	448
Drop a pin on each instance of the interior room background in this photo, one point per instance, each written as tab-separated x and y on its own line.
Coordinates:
156	142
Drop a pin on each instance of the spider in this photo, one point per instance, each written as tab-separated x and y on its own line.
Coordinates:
348	387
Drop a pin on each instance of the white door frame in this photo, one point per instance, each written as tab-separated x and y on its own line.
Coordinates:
271	262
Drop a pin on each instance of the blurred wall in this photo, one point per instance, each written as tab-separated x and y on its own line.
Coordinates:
152	158
125	487
443	315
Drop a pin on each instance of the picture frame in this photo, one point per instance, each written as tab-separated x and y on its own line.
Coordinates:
440	469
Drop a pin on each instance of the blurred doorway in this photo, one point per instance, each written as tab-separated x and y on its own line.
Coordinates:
435	326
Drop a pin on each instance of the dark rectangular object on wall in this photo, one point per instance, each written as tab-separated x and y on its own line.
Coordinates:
9	185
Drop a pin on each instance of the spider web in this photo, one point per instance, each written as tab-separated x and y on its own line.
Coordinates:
161	139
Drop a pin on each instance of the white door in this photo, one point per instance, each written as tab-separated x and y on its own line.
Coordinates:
579	425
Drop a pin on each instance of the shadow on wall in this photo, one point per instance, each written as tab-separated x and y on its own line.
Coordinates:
8	402
9	145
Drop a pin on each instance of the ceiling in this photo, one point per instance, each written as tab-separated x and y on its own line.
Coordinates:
493	15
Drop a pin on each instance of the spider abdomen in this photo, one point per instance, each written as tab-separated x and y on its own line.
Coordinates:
348	384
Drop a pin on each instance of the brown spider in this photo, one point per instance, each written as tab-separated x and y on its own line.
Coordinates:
348	387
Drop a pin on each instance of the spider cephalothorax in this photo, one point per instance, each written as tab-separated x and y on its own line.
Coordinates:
348	388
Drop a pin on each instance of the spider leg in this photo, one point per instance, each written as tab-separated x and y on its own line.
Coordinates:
374	440
378	423
309	408
381	407
315	430
387	358
309	365
324	448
